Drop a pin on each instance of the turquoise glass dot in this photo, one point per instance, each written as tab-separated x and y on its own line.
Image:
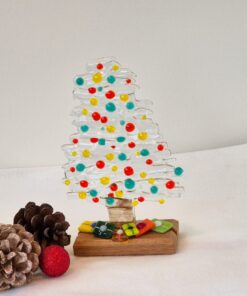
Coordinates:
122	122
100	88
144	152
129	183
154	189
178	171
101	142
110	107
130	105
93	192
80	167
79	81
111	79
110	201
84	128
122	156
120	139
102	128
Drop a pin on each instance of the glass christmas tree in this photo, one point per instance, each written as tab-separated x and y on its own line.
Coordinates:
117	156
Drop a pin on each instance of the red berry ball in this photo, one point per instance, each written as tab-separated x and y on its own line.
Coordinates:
110	94
149	161
141	199
100	164
72	169
130	127
131	145
84	183
96	116
75	141
94	140
92	90
160	147
114	187
104	119
100	66
128	171
95	199
54	261
170	184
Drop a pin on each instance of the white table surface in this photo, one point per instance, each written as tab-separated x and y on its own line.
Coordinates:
212	253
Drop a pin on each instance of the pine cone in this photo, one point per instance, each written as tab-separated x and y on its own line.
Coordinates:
19	256
47	227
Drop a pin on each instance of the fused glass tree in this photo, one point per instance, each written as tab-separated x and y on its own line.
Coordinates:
117	156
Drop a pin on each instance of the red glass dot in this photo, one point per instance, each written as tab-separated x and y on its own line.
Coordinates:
92	90
149	161
75	141
110	194
94	140
141	199
96	116
84	183
130	127
160	147
110	94
114	187
170	184
72	169
100	66
131	145
95	199
113	147
128	80
141	225
100	164
104	119
128	171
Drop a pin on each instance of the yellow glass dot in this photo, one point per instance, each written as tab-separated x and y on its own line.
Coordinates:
119	194
111	128
114	168
109	156
124	97
97	77
105	180
67	182
94	101
73	153
82	195
144	117
151	181
86	153
134	203
115	67
143	175
143	136
138	153
162	201
84	112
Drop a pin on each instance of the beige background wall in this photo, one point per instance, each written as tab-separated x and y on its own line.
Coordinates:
190	58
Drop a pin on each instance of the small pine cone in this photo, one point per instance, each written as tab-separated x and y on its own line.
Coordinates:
19	256
47	227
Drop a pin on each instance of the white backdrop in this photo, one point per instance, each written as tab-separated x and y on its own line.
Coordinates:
190	58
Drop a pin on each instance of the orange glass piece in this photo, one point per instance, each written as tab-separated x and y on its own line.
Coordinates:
144	226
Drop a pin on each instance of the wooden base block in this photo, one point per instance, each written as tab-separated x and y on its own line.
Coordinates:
151	243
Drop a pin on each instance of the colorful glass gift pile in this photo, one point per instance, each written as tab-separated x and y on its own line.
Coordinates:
107	230
117	151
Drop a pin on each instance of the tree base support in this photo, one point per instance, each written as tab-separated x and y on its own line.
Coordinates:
151	243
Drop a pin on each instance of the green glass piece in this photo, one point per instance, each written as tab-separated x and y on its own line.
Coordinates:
162	226
80	167
79	81
178	171
104	229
